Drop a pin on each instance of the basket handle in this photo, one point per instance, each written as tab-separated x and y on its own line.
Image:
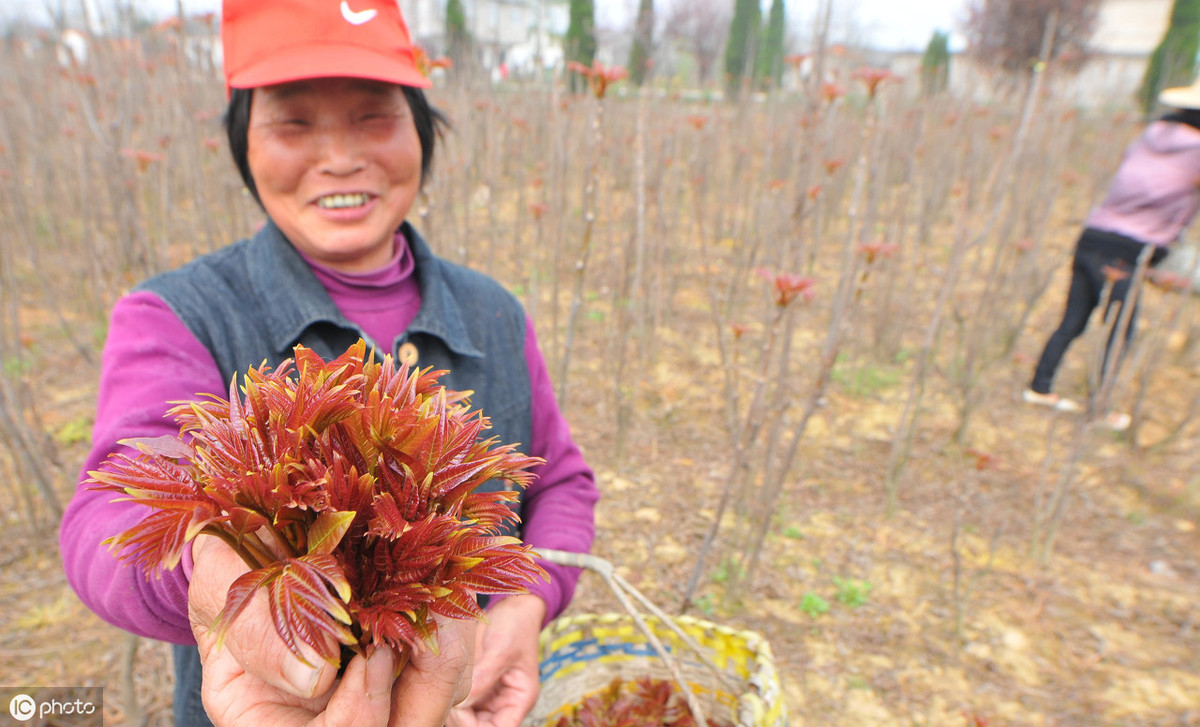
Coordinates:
623	591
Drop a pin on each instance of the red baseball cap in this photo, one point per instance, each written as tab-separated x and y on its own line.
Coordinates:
275	41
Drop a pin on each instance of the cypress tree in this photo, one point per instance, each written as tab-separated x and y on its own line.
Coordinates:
643	43
935	64
581	38
742	46
770	57
458	38
1173	62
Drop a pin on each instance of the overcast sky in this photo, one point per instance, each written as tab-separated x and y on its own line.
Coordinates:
907	24
891	24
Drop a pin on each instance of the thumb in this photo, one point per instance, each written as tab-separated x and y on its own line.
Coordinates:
250	638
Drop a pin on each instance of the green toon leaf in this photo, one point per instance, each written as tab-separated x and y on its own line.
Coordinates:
328	530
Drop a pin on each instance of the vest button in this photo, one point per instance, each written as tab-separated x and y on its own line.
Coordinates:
408	354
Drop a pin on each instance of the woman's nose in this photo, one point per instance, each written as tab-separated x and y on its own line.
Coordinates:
340	153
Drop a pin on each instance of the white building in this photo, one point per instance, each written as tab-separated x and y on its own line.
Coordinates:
521	35
1126	34
1131	27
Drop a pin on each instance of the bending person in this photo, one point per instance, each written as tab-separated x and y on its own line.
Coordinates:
1151	199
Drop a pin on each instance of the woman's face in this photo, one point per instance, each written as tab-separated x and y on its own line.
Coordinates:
337	164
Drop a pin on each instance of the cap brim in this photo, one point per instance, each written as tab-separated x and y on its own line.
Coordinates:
1185	97
328	61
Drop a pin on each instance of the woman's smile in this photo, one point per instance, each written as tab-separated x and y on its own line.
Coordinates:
343	201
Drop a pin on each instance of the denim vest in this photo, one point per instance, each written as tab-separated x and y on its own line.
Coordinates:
254	300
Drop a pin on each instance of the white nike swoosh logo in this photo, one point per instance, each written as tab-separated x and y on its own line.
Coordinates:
358	18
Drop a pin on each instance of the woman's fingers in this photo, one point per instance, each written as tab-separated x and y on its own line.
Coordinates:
432	683
363	698
250	638
252	677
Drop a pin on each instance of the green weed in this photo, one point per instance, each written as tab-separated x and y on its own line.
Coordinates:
814	605
15	368
866	380
707	605
77	430
727	569
851	592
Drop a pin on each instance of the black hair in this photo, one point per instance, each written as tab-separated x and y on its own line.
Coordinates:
1191	117
430	122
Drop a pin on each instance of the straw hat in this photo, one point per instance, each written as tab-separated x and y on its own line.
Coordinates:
1183	97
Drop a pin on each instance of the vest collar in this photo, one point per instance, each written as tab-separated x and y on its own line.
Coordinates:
294	299
440	314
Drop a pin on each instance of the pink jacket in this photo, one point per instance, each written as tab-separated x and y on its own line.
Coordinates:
1156	190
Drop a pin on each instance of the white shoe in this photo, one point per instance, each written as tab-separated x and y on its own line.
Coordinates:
1118	421
1053	401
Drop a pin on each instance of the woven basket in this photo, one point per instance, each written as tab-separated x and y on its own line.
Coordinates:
729	673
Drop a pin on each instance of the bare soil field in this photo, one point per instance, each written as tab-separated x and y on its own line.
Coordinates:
934	551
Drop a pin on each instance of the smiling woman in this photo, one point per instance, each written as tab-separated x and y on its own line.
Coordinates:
333	135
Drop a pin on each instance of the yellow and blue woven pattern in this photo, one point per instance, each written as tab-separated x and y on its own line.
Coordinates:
582	654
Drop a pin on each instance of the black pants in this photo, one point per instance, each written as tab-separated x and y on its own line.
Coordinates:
1095	250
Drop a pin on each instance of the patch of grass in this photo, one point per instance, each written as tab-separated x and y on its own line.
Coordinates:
865	380
814	605
42	615
793	532
707	605
852	592
725	570
15	368
77	430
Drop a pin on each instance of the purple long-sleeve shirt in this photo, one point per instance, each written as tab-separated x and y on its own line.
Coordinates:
1155	192
151	359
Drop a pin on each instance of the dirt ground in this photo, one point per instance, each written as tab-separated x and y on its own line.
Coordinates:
934	615
1104	632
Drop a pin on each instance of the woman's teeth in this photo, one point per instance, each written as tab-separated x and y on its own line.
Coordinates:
342	201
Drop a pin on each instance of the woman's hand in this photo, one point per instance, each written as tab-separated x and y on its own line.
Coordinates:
505	683
253	679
